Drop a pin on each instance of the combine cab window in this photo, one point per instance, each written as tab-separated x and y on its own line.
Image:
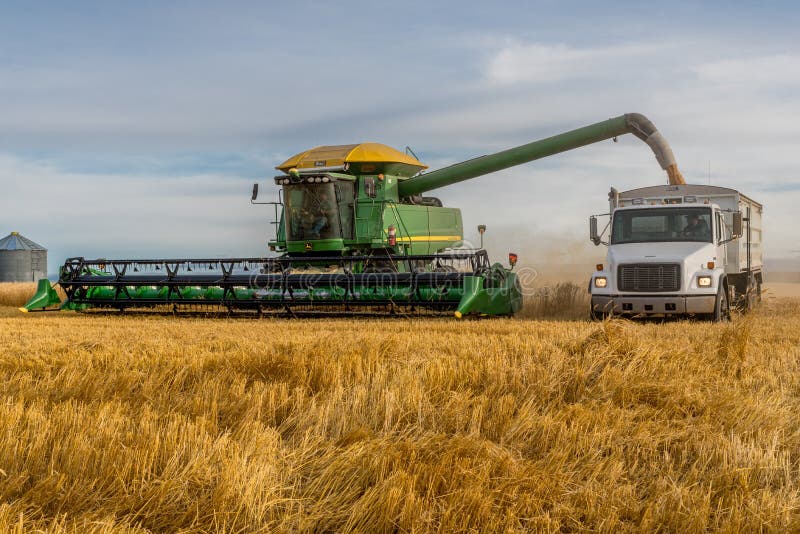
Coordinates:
369	187
662	224
345	194
311	212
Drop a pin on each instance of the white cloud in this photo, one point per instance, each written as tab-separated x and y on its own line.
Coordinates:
548	64
769	71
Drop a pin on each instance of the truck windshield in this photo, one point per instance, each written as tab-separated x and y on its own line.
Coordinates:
661	224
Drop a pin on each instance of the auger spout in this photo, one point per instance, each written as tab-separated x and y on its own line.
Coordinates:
634	123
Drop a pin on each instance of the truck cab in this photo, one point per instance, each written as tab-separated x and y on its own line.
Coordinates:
677	250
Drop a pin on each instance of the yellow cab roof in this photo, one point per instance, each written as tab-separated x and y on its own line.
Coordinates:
339	155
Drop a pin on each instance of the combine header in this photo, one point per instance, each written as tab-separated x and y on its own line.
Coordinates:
354	233
436	282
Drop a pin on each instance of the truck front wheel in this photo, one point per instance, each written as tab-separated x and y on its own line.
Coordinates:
722	309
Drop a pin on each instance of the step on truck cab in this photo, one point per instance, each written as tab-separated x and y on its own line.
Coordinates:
692	250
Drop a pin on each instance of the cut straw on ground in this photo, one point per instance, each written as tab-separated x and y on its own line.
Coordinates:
151	424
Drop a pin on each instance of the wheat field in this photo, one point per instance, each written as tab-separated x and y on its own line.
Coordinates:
159	424
16	293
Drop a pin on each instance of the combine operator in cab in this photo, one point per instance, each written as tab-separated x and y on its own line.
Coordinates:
310	212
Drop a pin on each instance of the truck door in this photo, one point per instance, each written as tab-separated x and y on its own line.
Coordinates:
722	235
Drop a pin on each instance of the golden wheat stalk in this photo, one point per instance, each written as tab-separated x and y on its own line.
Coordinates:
151	424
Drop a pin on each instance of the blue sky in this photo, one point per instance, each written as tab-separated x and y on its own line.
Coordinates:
137	129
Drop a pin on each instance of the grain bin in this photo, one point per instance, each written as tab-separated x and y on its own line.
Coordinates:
21	260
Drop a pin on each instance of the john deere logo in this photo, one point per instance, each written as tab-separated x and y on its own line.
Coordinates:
308	245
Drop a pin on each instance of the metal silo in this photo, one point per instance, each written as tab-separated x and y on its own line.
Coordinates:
21	260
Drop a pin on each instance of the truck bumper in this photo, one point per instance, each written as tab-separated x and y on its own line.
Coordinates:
654	304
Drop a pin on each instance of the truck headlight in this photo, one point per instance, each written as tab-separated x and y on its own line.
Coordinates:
600	281
704	281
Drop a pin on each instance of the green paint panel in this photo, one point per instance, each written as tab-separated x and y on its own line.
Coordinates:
316	245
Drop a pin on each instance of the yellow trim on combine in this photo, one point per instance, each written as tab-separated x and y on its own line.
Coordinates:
338	155
430	238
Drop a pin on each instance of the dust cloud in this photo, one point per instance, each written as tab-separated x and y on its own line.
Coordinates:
782	289
548	258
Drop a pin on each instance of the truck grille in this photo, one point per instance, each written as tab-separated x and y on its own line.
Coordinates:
649	277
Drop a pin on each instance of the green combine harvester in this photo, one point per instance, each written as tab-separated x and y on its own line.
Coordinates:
354	233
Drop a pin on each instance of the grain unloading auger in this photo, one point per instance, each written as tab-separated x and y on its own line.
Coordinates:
354	233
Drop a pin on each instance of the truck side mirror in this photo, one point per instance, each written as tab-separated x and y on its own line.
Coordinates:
737	224
255	193
594	237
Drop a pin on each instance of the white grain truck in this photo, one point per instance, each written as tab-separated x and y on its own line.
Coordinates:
678	250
